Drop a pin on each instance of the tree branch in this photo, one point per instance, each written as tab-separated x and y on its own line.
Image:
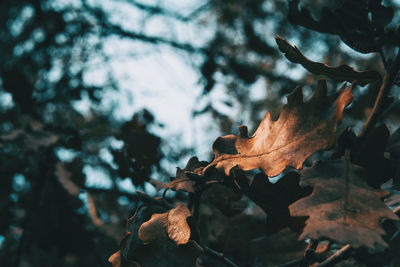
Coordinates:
387	83
340	255
118	30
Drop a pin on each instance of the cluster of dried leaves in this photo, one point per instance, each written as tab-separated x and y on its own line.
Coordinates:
311	213
338	200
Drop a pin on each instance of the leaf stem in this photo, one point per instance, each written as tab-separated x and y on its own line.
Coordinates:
340	255
387	83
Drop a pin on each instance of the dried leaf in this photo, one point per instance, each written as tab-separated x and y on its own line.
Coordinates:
368	153
277	249
275	198
225	199
156	255
352	218
157	226
340	74
360	24
173	224
301	129
185	182
115	259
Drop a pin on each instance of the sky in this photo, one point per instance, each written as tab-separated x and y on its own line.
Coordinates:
156	77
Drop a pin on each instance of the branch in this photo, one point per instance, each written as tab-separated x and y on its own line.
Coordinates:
157	10
387	83
340	255
118	30
219	256
152	200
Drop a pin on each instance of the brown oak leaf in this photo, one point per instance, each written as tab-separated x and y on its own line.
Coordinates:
301	129
157	236
342	207
185	182
171	223
340	74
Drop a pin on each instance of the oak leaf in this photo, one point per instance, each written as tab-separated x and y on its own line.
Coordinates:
342	207
157	235
340	74
186	182
301	129
171	223
369	153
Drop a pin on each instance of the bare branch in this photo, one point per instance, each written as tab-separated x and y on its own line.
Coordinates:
340	255
387	83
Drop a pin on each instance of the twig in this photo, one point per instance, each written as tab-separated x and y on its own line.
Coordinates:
219	256
383	58
152	200
340	255
387	83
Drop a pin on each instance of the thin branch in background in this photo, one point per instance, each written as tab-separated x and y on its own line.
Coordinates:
383	58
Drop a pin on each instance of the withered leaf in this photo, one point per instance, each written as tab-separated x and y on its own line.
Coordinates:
159	255
156	255
360	24
340	74
185	182
277	249
368	153
225	199
117	261
346	214
165	234
172	223
301	129
275	199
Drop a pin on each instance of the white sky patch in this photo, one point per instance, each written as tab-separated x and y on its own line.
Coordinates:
126	185
96	177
